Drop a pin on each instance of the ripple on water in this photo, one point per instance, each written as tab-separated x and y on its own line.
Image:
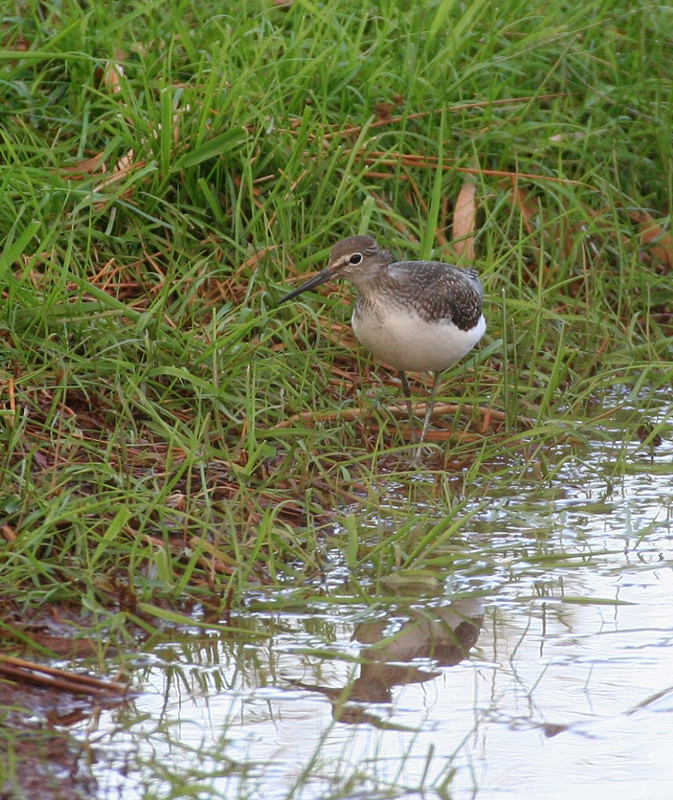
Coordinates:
559	681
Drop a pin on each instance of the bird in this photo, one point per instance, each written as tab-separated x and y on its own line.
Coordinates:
413	316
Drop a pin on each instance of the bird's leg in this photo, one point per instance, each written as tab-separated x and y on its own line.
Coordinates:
407	395
429	406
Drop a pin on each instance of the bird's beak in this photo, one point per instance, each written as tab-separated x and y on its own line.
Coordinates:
311	283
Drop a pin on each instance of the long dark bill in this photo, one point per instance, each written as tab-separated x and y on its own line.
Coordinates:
311	283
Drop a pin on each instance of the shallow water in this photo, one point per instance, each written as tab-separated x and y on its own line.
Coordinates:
542	667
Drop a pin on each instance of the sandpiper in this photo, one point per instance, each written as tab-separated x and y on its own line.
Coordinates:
411	315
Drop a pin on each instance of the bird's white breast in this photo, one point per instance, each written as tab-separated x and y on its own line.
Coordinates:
404	340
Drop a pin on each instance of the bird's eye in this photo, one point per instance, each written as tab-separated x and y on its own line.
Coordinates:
356	258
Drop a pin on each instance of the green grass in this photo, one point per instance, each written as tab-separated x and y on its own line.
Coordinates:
144	367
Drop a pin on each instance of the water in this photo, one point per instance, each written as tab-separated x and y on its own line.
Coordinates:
564	600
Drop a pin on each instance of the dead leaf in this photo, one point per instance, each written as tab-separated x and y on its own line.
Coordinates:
84	167
384	111
658	242
122	168
465	220
526	204
9	533
112	75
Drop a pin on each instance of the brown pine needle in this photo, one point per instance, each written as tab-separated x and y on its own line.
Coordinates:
41	675
355	129
396	411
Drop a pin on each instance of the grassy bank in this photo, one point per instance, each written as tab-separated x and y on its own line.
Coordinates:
167	172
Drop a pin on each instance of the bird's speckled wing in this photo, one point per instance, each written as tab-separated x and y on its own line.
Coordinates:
439	291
